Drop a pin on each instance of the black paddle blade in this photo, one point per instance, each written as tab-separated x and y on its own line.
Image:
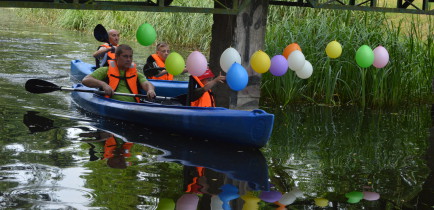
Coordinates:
40	86
100	33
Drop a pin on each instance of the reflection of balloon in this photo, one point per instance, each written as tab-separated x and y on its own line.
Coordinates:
334	49
196	63
175	63
296	60
381	57
287	198
250	202
270	196
321	202
187	202
289	49
228	57
306	71
237	77
371	196
146	34
216	203
279	65
260	62
230	192
354	197
364	56
297	192
166	204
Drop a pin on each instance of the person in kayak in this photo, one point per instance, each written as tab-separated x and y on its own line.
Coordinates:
106	51
154	67
199	89
121	75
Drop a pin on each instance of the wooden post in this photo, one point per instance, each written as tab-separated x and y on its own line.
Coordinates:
246	33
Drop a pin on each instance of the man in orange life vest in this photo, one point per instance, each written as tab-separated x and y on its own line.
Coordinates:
121	75
158	60
199	89
106	51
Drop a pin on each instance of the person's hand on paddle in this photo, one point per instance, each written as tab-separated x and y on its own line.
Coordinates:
151	94
107	89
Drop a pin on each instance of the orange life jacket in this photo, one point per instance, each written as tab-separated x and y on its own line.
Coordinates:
130	76
161	64
110	54
111	144
206	100
195	187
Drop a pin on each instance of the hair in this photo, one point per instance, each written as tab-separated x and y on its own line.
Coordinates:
121	48
161	44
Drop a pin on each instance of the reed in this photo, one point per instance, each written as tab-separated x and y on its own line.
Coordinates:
406	79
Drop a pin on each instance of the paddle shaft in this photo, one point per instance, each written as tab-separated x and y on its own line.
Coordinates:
115	93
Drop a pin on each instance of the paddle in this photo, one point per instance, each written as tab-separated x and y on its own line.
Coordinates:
41	86
152	71
100	33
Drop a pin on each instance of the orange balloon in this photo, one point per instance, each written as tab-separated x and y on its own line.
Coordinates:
291	47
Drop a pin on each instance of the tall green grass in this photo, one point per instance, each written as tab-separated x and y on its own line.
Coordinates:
406	79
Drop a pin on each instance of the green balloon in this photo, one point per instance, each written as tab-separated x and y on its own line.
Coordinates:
146	34
175	64
365	56
166	204
354	197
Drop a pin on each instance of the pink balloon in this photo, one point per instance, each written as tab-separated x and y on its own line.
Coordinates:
196	63
279	65
371	196
381	57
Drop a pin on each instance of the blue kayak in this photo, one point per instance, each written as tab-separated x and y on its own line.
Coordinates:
245	128
80	69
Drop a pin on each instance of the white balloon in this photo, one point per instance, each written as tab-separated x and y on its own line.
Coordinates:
216	203
306	71
297	192
296	60
287	198
229	57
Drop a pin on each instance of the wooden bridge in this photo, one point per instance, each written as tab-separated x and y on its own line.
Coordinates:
400	6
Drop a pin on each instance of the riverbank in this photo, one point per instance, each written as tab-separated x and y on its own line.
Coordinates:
405	80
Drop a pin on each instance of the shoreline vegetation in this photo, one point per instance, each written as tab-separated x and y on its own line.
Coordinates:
405	80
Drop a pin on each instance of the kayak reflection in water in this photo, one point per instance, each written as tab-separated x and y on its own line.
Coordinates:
115	150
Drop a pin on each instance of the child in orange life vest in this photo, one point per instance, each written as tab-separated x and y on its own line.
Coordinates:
199	89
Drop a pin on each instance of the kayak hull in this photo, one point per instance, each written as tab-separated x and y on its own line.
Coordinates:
245	128
80	69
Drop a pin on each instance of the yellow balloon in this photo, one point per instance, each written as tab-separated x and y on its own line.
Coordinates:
334	49
260	62
321	202
175	64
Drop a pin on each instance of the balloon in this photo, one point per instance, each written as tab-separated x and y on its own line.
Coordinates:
237	77
321	202
290	48
354	197
229	192
270	196
146	34
364	56
279	65
228	57
196	63
187	202
166	204
260	62
175	63
297	192
306	71
381	57
216	203
250	202
296	60
371	196
287	198
334	49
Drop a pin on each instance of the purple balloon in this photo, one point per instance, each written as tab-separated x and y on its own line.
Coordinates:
270	196
381	57
279	65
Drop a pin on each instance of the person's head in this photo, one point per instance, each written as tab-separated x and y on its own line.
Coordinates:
163	50
113	37
118	160
124	56
206	77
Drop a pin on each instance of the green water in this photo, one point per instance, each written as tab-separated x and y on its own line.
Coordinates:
52	156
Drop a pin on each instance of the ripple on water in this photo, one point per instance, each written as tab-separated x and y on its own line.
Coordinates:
49	197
